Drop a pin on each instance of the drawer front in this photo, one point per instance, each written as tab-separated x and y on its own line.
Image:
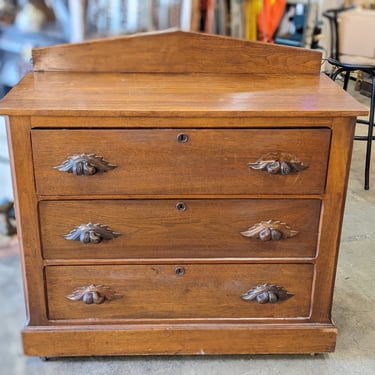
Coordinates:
179	291
179	228
180	161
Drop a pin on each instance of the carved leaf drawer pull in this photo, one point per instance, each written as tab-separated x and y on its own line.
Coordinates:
278	163
93	294
266	293
270	231
85	164
91	233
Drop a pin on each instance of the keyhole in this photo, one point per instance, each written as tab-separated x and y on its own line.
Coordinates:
179	271
182	138
181	206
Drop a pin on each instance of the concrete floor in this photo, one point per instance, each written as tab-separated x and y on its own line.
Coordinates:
353	312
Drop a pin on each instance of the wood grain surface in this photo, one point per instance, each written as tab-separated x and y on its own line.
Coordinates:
208	228
178	95
154	162
177	52
192	339
156	292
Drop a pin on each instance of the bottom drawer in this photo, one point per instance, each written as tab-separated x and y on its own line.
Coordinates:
186	291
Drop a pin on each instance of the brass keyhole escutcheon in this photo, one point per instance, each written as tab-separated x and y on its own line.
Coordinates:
182	138
179	271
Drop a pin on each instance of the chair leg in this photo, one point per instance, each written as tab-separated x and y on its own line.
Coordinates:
346	80
370	134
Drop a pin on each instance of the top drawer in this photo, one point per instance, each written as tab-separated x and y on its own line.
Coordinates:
178	162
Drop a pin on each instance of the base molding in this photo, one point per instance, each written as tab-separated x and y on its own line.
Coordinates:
189	339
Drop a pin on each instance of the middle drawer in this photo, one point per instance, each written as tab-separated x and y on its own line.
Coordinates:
192	228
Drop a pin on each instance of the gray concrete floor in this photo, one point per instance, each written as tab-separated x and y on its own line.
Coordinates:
353	313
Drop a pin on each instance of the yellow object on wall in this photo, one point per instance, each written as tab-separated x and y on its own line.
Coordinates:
252	8
262	18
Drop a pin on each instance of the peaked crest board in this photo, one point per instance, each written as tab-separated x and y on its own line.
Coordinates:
177	52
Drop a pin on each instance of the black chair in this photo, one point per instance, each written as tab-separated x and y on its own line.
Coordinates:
344	65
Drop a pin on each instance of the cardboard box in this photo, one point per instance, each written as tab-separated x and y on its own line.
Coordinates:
357	32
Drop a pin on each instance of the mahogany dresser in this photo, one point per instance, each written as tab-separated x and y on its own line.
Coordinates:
179	193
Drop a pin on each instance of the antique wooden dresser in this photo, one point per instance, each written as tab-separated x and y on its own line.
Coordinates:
179	193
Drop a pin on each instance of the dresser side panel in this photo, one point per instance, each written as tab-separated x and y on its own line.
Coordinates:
332	215
18	129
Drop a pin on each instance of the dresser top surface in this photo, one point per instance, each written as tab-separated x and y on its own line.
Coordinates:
178	95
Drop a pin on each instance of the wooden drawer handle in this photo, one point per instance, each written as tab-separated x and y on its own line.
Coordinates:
91	233
278	163
93	294
266	293
84	164
270	231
